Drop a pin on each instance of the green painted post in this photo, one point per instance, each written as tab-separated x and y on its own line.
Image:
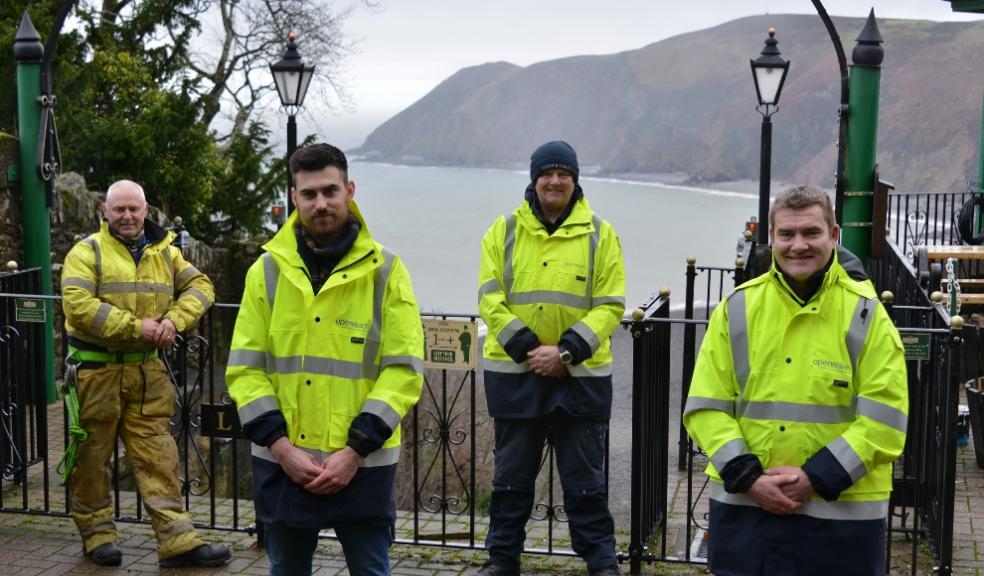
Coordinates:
28	52
862	136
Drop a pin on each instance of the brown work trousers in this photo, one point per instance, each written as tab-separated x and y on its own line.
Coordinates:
135	401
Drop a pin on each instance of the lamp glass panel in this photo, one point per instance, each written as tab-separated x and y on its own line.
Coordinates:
287	81
768	80
305	81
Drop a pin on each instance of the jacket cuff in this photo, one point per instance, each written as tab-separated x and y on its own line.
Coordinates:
178	323
522	342
740	473
578	347
367	433
263	430
827	475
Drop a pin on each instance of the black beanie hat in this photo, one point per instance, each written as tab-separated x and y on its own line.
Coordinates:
556	154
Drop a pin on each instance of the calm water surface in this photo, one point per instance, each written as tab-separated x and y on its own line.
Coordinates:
434	218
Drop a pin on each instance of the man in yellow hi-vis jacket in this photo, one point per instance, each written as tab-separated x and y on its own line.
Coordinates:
126	293
799	398
326	359
551	291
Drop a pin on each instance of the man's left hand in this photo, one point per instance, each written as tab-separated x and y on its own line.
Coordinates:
545	361
801	490
337	471
164	336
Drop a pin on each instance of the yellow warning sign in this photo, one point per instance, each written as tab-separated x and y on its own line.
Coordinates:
450	344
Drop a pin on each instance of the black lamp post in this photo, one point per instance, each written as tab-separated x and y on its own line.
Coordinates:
292	78
769	72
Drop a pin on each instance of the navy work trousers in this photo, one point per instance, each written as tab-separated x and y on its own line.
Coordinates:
748	541
579	444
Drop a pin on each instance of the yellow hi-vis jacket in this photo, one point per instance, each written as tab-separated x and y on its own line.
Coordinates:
818	384
106	296
318	365
538	288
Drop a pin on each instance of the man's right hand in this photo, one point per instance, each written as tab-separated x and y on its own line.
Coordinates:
767	492
300	466
149	328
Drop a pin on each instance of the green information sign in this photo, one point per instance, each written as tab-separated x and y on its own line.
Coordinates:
29	310
916	346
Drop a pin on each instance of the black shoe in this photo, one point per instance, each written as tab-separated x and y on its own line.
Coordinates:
490	569
204	555
609	571
108	554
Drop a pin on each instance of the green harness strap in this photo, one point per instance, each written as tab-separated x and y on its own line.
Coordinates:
76	433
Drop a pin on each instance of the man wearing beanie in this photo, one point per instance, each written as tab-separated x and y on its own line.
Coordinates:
551	291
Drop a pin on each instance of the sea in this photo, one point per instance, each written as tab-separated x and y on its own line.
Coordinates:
435	217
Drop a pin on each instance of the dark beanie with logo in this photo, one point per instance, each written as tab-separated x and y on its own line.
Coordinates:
556	154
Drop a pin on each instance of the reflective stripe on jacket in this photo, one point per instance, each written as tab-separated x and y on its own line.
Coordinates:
571	280
818	384
316	362
106	296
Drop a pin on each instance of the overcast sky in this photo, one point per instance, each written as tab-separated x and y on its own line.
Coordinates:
410	46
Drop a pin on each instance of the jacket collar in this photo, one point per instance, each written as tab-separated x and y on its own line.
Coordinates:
283	246
578	222
156	234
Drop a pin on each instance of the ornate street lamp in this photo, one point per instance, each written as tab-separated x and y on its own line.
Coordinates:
292	77
769	72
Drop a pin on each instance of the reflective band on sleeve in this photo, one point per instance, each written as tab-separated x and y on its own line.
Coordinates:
505	366
510	330
599	300
257	408
858	332
412	362
551	297
847	458
381	457
248	358
887	415
185	275
507	255
490	286
97	259
585	332
383	410
100	318
271	274
729	451
738	334
198	296
582	371
697	403
836	510
795	412
285	364
87	285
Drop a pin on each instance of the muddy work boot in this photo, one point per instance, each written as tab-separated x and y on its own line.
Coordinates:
204	555
108	554
490	569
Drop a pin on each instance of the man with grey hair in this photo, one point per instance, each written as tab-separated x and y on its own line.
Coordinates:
127	293
799	398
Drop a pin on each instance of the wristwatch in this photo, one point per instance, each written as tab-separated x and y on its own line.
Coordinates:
565	355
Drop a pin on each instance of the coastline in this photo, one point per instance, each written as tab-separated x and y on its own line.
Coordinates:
674	180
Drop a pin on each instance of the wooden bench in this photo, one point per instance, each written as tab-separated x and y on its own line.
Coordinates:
942	252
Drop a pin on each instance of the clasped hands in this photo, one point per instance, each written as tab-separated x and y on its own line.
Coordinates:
328	477
545	361
782	490
158	331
